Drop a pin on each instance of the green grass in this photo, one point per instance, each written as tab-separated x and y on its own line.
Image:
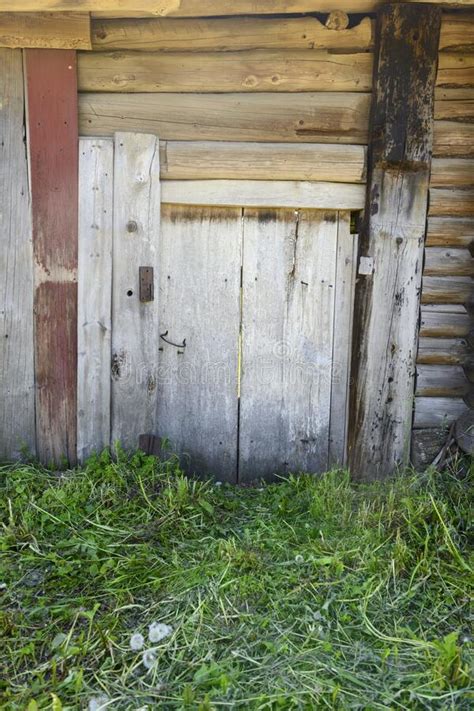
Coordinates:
312	593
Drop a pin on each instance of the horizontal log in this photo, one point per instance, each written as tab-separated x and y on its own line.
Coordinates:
453	138
450	261
454	202
443	351
452	172
457	32
455	70
449	231
437	322
437	411
454	109
215	72
313	118
447	290
441	381
59	30
243	33
261	193
205	160
454	93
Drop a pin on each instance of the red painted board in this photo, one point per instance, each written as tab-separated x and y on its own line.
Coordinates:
53	151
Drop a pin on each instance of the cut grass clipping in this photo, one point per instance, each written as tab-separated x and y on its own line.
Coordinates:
307	594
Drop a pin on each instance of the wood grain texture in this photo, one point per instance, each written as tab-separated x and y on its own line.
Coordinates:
17	394
455	109
443	351
384	353
216	72
201	160
457	32
453	138
289	276
437	411
445	321
49	30
53	151
135	337
455	69
448	261
263	193
309	118
447	290
96	162
243	33
452	173
455	202
441	381
449	231
199	308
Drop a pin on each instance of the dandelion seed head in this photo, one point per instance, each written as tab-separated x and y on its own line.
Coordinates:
158	631
97	703
137	642
299	559
149	658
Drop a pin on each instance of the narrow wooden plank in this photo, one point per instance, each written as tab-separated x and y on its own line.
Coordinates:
445	320
135	338
455	70
457	32
252	71
392	235
452	172
17	395
443	351
455	202
454	93
346	269
289	276
96	158
53	148
449	231
455	110
450	261
437	411
199	316
263	193
201	160
66	30
228	34
453	138
314	118
441	381
447	290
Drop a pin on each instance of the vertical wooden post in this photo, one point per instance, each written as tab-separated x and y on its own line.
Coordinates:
53	149
387	300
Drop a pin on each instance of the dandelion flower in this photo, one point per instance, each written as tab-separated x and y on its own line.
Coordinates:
97	703
158	631
137	642
149	658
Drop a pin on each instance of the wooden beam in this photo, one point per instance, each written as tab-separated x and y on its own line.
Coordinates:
448	261
383	364
255	71
445	321
444	351
455	202
243	33
453	138
52	129
452	173
308	118
445	230
455	109
49	30
447	290
455	70
437	411
457	32
441	381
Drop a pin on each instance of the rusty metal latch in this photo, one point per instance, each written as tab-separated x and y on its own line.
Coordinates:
146	284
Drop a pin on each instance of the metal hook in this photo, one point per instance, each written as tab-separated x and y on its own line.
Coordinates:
176	345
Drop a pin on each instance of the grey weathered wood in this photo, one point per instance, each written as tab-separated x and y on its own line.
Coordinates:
135	338
387	302
346	270
448	261
445	320
447	290
289	277
448	230
17	396
454	351
441	381
438	411
96	157
426	445
199	312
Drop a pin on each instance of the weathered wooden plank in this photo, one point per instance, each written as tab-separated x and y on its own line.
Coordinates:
455	202
346	269
246	71
449	231
447	290
314	118
454	93
289	276
17	395
443	351
135	338
53	136
455	70
437	411
445	320
457	32
448	261
68	30
264	193
426	444
201	160
392	235
441	381
454	110
243	33
452	172
199	316
96	159
453	138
